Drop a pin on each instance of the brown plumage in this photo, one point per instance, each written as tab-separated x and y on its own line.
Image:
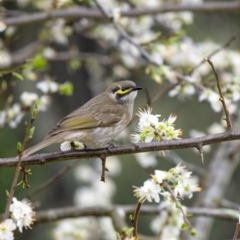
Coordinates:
98	121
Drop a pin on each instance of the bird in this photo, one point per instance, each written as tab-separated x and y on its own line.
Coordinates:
97	122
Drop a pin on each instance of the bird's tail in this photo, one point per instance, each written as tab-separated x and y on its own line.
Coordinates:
44	143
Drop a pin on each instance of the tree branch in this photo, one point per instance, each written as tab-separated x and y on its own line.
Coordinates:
122	150
74	212
79	12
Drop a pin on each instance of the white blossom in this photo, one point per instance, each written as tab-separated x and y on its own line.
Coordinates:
151	129
149	191
47	86
146	119
107	33
14	115
3	26
146	159
74	229
129	53
169	222
22	213
85	173
44	102
98	194
65	146
5	59
183	90
215	128
6	229
49	53
68	145
160	176
59	31
28	98
78	145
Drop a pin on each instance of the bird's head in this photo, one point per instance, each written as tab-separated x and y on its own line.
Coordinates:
123	92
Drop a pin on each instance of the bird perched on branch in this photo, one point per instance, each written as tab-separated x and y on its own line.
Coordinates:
98	121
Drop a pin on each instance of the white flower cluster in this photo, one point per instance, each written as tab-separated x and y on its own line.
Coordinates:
59	31
150	129
48	86
22	215
28	99
170	222
68	145
14	114
140	29
178	178
94	193
187	54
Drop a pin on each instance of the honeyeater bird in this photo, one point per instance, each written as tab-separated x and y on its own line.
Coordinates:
98	121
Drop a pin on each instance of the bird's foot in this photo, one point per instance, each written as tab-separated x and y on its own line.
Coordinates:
136	146
111	145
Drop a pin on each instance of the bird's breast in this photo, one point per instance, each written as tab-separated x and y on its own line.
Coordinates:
97	137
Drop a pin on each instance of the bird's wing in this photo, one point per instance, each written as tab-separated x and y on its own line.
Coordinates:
85	118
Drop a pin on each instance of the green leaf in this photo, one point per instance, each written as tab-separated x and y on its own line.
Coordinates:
19	146
66	89
74	64
193	232
31	131
35	110
38	62
7	193
18	76
184	226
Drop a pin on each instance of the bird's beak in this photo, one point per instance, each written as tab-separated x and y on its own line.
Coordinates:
136	89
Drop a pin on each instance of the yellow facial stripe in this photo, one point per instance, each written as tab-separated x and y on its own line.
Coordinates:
121	92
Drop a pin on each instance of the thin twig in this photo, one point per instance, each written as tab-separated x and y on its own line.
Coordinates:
124	34
175	159
18	168
227	116
104	169
225	45
157	132
236	231
25	174
178	204
51	180
13	187
200	149
135	219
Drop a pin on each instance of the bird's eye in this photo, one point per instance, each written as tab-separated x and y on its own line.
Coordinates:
115	90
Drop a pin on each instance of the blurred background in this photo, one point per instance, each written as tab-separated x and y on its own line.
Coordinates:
89	55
